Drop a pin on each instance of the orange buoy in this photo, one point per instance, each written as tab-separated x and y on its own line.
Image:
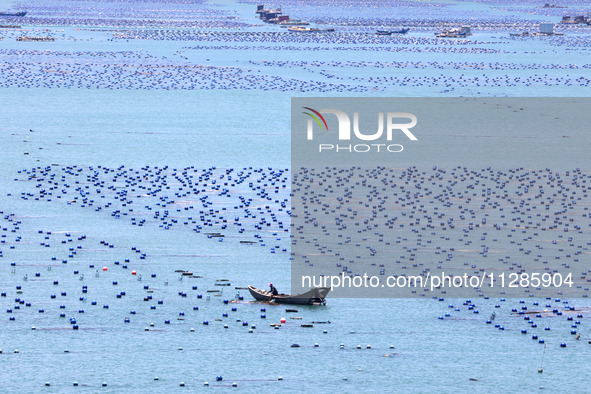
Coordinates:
105	268
283	321
133	272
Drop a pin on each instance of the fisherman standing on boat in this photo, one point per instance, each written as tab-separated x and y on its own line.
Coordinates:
273	289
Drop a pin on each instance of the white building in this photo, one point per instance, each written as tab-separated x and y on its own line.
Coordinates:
547	28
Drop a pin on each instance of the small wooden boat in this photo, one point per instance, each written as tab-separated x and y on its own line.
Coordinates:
17	14
389	32
313	296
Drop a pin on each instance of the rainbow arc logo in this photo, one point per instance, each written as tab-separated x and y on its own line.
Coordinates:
318	115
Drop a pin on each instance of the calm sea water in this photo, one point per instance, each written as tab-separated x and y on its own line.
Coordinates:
411	349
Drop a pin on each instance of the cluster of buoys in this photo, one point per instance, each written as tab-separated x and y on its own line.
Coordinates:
102	69
286	37
146	73
491	221
466	79
205	24
255	201
465	217
571	42
14	33
190	14
446	47
223	313
80	297
423	65
511	322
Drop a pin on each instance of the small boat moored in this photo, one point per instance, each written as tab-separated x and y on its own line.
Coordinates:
16	14
390	32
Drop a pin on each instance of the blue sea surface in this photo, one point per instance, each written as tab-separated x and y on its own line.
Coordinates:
72	115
